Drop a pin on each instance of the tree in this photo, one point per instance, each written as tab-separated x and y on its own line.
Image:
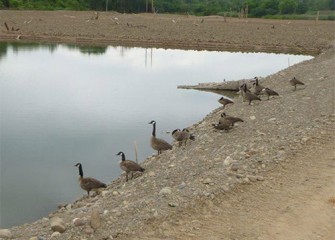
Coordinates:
287	6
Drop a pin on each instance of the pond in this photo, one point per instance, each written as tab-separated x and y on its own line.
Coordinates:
63	104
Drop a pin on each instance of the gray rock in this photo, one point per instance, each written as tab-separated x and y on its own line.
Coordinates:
95	218
234	167
57	225
207	181
5	233
165	191
33	238
173	204
78	222
55	235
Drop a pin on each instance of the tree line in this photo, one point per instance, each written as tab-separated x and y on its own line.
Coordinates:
254	8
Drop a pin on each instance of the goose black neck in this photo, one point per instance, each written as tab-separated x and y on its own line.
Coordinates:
154	129
256	81
81	171
123	156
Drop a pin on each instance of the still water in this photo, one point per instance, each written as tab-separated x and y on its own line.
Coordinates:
63	104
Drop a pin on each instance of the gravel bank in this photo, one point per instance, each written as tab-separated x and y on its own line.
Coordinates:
217	162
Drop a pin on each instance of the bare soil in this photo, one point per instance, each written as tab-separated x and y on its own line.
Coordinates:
167	31
283	184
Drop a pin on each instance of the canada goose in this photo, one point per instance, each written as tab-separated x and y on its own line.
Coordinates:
157	143
241	91
257	87
250	96
224	101
294	82
270	92
182	136
230	118
223	124
88	183
129	166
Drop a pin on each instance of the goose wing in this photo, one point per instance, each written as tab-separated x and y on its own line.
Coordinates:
91	183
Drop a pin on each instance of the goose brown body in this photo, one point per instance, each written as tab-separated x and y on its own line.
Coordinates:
88	184
129	166
269	92
225	101
294	82
257	87
182	136
230	118
223	124
249	96
156	143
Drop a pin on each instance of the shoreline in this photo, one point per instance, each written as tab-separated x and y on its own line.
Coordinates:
204	171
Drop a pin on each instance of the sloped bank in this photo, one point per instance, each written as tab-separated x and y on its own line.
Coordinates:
212	165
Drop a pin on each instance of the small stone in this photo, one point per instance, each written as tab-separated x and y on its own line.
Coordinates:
55	235
173	204
104	193
57	225
115	193
182	185
95	218
165	191
155	214
68	207
227	161
252	118
5	233
271	119
152	174
33	238
88	230
234	167
207	181
78	222
260	178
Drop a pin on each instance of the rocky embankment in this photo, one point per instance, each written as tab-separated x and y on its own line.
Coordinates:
209	167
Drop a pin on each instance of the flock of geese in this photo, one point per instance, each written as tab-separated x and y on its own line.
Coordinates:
182	136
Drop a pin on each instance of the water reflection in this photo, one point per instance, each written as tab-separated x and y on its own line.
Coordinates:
61	105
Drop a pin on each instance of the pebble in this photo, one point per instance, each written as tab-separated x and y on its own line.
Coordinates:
207	181
252	118
104	193
173	204
5	233
78	222
33	238
152	174
88	230
234	167
227	161
115	193
55	235
95	218
57	225
165	191
182	185
271	119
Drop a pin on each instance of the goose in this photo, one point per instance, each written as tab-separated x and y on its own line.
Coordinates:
156	143
129	166
223	124
269	92
182	136
250	96
225	101
294	82
257	87
241	91
88	183
230	118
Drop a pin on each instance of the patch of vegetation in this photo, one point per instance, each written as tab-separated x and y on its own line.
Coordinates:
289	9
